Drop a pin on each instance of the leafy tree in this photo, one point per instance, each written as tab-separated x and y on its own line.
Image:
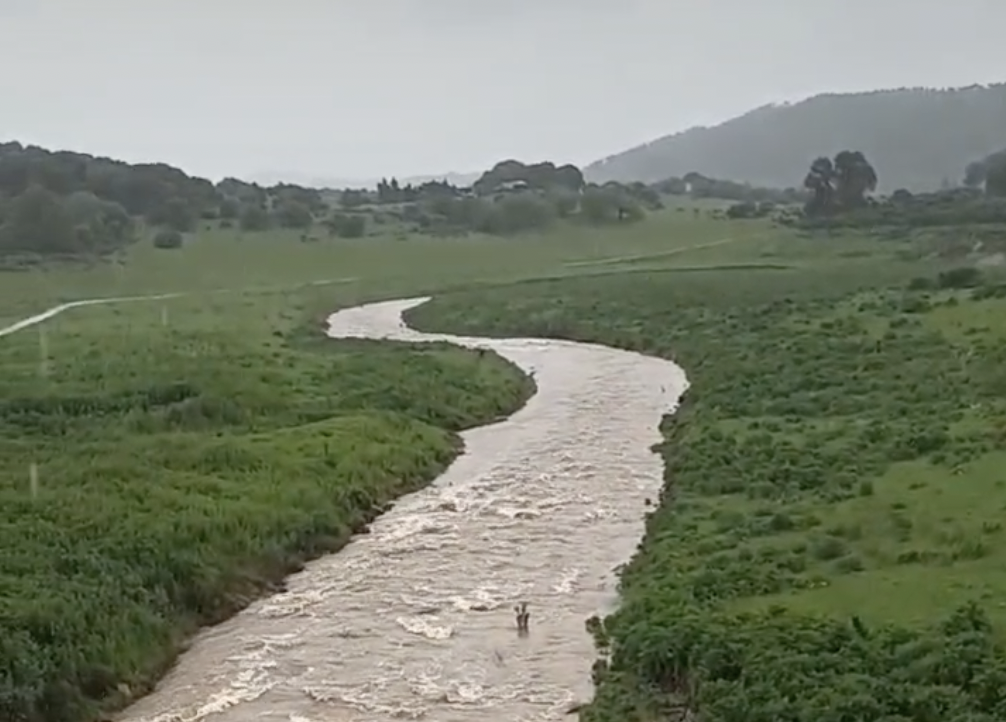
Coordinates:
294	214
854	178
995	175
353	198
565	202
229	209
242	192
608	204
392	192
974	174
36	221
174	213
254	218
347	225
287	193
516	214
99	225
820	180
538	176
839	185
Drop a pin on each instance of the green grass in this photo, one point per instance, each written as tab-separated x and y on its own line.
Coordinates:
192	451
183	469
228	259
840	455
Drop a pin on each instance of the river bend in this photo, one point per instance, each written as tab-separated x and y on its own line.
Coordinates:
415	619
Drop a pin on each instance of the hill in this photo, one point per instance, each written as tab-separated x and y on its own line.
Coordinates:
917	138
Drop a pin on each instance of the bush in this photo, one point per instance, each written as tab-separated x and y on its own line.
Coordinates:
168	239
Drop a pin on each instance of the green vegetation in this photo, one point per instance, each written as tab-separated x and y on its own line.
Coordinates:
190	452
75	207
989	172
508	199
968	221
833	485
186	458
917	136
828	543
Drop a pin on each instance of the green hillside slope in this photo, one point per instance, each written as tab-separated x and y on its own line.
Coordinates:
916	138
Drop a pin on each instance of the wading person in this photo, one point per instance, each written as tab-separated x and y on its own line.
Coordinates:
523	617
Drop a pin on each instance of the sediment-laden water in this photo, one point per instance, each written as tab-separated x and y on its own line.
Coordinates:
415	620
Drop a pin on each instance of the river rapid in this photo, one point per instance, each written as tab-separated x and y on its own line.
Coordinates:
415	620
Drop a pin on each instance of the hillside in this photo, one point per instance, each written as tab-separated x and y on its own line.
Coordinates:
915	137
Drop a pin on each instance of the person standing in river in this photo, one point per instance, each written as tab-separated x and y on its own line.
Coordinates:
523	618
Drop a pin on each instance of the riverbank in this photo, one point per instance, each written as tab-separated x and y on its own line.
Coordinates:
831	497
160	472
414	619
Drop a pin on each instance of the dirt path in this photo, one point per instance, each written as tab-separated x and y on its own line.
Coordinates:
645	256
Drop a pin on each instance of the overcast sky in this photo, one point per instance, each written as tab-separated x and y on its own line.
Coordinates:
364	88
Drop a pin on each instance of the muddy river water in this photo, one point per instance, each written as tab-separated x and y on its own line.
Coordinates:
415	620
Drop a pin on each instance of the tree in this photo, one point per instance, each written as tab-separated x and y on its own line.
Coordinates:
98	224
229	209
995	175
608	204
839	185
353	198
254	218
538	176
517	213
38	222
854	177
974	174
294	214
174	213
347	225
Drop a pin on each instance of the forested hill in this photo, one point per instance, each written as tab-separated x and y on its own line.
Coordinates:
917	138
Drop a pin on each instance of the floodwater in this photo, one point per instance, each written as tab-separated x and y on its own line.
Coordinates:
415	620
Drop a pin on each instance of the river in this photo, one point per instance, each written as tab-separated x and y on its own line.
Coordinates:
415	620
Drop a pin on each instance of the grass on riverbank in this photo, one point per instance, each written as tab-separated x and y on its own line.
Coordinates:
834	488
187	462
191	451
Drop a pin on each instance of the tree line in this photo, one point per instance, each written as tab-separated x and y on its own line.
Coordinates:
67	203
71	204
511	197
839	192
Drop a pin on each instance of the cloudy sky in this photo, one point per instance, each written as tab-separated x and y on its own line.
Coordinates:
364	88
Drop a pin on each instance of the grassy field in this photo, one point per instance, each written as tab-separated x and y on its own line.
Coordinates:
172	459
164	462
228	259
830	541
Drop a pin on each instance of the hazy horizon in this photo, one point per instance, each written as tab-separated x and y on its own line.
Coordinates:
404	88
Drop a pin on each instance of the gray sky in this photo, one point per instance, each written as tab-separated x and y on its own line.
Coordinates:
364	88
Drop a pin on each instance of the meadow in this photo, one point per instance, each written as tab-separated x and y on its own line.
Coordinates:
164	462
829	543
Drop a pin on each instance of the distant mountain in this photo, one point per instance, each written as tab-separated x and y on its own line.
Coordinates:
268	178
916	138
